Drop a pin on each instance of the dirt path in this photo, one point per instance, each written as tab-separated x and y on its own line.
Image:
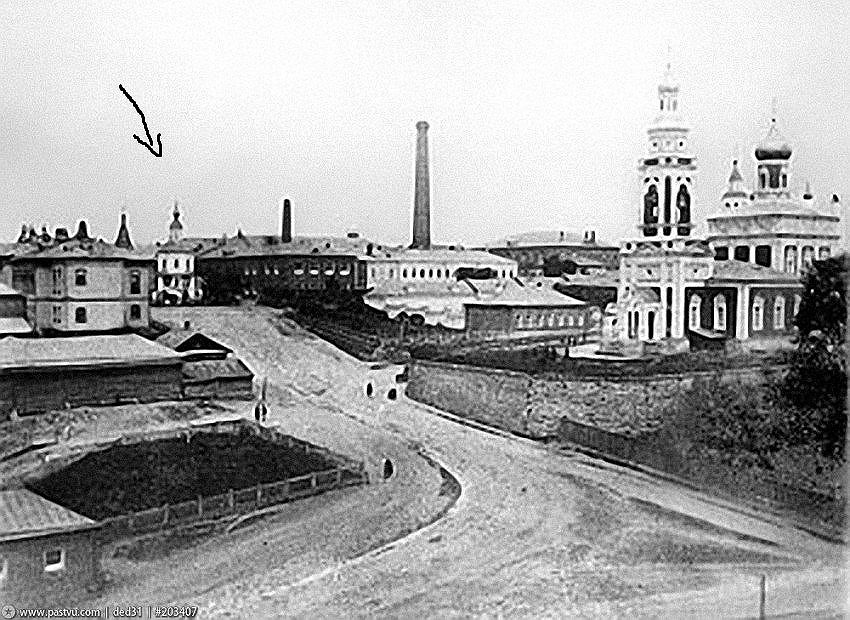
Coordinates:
533	534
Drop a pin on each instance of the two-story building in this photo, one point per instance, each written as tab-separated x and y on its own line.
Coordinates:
79	284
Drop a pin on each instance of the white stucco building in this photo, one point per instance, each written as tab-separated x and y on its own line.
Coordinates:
773	226
176	281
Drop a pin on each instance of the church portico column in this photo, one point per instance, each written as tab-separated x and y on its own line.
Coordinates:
743	312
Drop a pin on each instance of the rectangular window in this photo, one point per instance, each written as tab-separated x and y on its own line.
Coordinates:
80	315
80	277
57	315
54	560
721	253
742	253
135	283
763	255
135	312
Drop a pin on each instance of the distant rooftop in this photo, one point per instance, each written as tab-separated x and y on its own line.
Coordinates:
24	514
271	245
549	238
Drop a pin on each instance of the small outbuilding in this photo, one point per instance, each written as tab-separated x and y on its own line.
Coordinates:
218	378
194	345
48	554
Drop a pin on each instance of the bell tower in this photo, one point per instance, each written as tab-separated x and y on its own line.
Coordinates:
668	170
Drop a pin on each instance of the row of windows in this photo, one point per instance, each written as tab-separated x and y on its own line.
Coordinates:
81	314
81	277
53	560
550	319
175	263
763	255
430	273
719	307
328	269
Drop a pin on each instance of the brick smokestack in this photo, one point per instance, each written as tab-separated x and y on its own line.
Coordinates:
422	195
286	222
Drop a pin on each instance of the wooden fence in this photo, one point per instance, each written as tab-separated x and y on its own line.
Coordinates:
233	502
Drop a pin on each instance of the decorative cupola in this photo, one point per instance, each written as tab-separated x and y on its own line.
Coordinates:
736	194
61	235
22	238
45	237
772	155
82	232
123	238
32	236
175	230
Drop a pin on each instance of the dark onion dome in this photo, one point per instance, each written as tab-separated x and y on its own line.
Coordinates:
773	146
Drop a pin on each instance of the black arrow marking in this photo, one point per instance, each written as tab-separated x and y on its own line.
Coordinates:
149	144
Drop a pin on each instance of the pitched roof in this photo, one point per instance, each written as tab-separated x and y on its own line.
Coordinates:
121	350
739	270
472	258
546	237
14	325
76	248
515	294
185	340
209	370
270	245
24	514
6	290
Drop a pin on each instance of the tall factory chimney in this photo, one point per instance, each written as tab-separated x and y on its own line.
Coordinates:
422	195
286	222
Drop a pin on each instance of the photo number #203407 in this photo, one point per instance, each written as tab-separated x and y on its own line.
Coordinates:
187	611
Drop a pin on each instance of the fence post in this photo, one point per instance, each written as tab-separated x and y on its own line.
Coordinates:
200	506
165	514
230	501
338	476
259	493
761	598
285	489
313	480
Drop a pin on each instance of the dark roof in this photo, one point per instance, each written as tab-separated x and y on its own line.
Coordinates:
210	370
270	245
24	514
188	340
99	351
76	248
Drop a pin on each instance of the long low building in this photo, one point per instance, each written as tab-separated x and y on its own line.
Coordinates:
42	374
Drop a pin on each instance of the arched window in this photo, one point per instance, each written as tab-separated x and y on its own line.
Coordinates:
807	256
779	312
797	300
80	277
784	180
758	313
720	313
762	179
430	273
570	321
683	205
439	273
823	253
694	312
581	320
421	273
650	205
518	319
135	283
80	315
135	312
404	273
790	259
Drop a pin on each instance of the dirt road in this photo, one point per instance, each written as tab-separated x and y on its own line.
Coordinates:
533	534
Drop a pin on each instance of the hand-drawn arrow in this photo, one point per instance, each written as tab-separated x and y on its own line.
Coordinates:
149	144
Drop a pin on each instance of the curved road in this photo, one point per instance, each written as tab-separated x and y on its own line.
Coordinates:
533	534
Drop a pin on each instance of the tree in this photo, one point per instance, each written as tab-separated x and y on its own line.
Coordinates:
816	383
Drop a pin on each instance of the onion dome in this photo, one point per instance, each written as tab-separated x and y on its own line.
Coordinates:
176	225
773	146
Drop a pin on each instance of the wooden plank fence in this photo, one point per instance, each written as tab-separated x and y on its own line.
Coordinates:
233	502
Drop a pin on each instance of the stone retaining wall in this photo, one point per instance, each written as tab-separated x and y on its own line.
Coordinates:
534	406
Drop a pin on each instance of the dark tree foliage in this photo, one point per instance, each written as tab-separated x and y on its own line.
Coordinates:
816	384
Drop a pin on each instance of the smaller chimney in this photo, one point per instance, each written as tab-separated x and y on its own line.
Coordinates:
562	235
23	236
61	235
369	249
286	222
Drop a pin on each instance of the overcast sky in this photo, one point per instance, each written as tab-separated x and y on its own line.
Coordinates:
538	110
